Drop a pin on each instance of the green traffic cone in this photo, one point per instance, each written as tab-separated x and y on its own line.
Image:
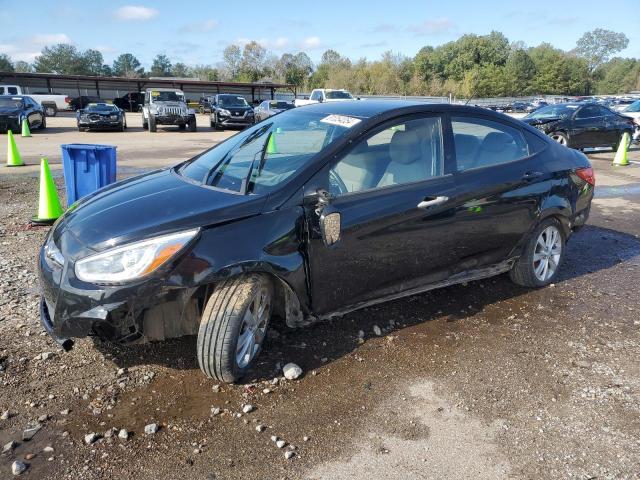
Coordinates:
621	160
49	208
271	146
13	155
25	128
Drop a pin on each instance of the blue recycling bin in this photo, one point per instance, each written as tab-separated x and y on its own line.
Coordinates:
87	168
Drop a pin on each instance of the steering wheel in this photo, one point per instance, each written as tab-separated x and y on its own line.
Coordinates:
336	185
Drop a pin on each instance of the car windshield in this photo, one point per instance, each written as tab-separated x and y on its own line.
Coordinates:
553	111
634	107
232	101
11	103
101	107
264	156
160	96
338	95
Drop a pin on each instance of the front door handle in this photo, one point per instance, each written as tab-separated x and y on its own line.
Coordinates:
528	176
432	202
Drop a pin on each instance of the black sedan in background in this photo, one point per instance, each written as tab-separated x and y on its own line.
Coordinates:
581	125
131	102
82	101
309	214
15	108
269	108
101	116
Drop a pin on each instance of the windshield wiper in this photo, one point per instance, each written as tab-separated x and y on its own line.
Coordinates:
249	181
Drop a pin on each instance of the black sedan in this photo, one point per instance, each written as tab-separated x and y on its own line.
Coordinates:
101	116
131	102
269	108
307	215
581	125
16	108
82	101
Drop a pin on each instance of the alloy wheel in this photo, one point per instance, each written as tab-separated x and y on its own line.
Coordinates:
546	254
253	328
560	139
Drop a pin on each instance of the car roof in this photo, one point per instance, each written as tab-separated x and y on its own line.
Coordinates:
15	97
374	108
163	90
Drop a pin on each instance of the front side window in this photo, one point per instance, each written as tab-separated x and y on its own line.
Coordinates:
262	157
481	143
12	90
315	95
338	95
406	152
590	111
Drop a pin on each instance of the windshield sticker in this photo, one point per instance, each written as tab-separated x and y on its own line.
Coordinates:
155	94
341	120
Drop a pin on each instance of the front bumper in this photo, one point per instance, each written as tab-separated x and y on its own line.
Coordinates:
70	308
236	121
7	123
171	120
100	124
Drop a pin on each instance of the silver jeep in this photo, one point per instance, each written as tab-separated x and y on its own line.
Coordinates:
167	106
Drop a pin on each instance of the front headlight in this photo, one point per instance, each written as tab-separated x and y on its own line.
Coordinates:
132	261
113	117
222	111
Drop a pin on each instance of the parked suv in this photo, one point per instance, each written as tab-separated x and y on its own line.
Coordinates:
231	111
167	106
204	104
131	102
308	215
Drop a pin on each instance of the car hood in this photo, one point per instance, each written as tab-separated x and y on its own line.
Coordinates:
541	121
145	206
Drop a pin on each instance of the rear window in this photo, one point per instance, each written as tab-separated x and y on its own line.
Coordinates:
480	142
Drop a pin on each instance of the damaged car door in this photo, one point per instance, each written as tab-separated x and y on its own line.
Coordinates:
378	216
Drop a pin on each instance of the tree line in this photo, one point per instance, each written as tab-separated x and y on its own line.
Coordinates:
471	66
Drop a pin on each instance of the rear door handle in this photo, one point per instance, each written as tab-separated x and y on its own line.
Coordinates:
528	176
432	202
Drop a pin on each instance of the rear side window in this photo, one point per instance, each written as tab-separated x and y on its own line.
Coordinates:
12	90
480	142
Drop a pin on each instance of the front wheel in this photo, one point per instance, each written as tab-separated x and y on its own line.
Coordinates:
152	123
560	137
541	259
193	127
234	326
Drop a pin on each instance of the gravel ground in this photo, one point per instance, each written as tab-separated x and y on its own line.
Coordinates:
484	380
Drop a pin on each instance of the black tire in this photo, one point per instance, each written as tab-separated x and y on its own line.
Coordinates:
193	126
43	124
560	137
152	123
523	272
221	324
182	127
201	109
145	124
50	110
215	124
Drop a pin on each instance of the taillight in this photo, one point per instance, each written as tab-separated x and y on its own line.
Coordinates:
587	175
67	99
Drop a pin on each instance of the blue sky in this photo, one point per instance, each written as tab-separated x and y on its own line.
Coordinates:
196	32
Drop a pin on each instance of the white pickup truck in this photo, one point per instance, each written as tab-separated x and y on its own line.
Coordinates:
50	102
320	95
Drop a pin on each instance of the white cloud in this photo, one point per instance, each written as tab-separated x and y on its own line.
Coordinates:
430	27
50	39
135	12
279	43
105	49
199	27
311	43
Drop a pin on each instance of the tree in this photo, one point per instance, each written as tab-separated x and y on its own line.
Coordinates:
5	63
205	73
294	69
23	67
128	66
252	65
161	66
61	58
520	71
232	56
180	70
618	75
92	62
599	45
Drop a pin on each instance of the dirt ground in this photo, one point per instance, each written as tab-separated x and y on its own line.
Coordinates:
478	381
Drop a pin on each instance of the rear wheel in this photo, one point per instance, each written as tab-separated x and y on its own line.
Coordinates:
234	326
541	259
43	124
50	110
560	137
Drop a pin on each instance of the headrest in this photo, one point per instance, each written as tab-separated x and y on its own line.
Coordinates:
465	144
405	147
496	142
